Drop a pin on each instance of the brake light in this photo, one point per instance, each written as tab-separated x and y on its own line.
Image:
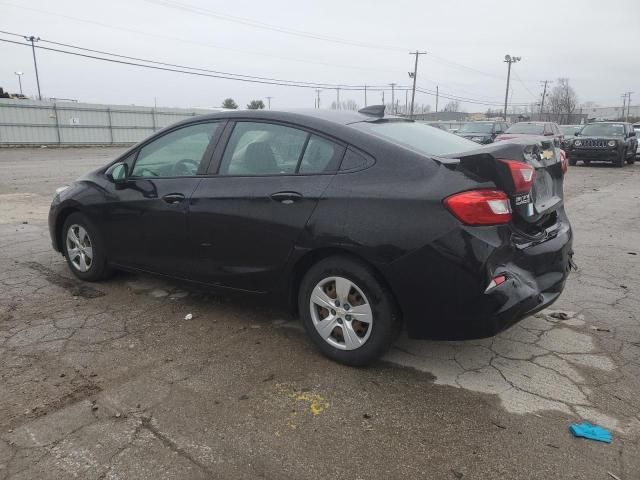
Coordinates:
522	174
480	207
563	161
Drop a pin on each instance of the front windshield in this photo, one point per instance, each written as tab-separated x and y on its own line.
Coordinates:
476	127
528	128
604	130
417	136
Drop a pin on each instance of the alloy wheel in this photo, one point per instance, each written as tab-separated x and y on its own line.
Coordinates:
79	248
341	313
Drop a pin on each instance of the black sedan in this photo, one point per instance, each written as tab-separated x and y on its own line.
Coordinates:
361	223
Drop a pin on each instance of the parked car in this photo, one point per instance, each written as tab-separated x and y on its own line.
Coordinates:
569	132
636	127
361	223
529	129
614	142
482	132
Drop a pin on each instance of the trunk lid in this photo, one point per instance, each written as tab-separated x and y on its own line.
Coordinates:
533	210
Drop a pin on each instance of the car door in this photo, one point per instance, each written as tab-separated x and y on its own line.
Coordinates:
246	216
146	216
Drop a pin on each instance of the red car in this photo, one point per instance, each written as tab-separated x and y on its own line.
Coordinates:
533	129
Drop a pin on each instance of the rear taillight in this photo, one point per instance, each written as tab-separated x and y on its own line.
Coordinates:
563	161
480	207
522	174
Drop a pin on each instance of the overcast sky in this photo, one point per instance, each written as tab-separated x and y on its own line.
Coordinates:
594	43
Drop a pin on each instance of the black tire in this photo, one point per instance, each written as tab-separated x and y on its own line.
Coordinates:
573	162
385	324
586	162
631	160
98	269
619	161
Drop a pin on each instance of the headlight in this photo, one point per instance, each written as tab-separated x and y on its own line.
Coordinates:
59	190
612	143
577	143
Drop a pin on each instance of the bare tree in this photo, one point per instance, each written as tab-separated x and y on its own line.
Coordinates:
453	106
563	100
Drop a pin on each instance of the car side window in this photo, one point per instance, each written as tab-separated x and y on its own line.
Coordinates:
175	154
320	156
257	148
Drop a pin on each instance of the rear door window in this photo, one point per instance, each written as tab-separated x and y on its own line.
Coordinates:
257	148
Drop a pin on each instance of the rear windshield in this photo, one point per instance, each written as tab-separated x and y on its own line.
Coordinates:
570	129
422	138
476	127
529	128
603	129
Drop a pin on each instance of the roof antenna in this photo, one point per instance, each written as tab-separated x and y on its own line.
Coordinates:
373	110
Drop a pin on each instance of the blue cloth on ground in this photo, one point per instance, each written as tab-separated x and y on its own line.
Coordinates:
592	432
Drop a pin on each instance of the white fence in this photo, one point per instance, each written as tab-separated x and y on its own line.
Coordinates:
26	122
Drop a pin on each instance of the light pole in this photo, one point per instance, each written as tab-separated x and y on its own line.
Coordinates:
269	102
33	39
19	75
508	59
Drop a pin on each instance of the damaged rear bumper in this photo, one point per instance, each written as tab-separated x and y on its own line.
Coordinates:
451	301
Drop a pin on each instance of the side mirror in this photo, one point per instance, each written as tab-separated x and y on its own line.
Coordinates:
118	173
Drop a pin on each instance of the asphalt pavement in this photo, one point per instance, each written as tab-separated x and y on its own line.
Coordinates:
110	381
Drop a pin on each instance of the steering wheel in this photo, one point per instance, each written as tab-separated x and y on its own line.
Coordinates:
185	167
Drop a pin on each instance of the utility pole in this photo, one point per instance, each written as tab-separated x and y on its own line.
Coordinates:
269	102
33	39
624	105
414	76
437	94
628	105
338	96
19	75
508	59
365	95
393	97
383	97
318	97
544	95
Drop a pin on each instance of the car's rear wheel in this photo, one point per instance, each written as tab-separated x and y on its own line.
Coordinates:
347	312
83	248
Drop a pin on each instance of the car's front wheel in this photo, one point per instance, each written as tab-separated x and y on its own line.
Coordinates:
83	248
619	161
348	313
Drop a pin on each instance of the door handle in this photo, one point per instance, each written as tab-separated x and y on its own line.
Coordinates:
173	198
286	198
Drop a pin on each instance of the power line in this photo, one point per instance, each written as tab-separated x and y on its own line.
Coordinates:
200	72
193	42
301	33
266	26
176	68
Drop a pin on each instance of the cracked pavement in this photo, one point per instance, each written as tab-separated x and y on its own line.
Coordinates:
108	380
